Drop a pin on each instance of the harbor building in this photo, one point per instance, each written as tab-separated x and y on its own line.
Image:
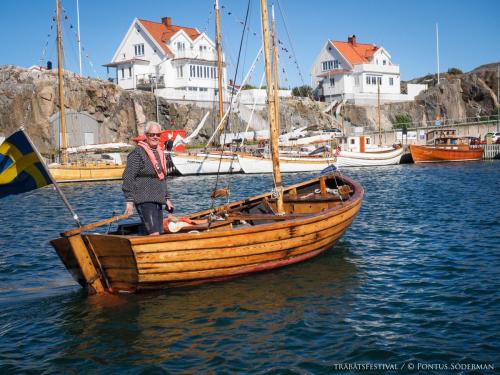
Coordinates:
176	62
358	73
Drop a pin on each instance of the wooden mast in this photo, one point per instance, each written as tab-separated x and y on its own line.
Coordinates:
64	148
275	71
271	107
219	60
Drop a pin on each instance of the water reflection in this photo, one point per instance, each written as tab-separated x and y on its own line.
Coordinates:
188	325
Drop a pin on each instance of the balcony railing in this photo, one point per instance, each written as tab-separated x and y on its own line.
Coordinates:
149	82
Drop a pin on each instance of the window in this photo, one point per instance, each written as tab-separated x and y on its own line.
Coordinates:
139	49
384	62
332	82
327	65
180	71
367	141
352	141
391	81
198	71
335	64
374	80
205	72
191	70
130	72
367	80
123	72
379	80
181	46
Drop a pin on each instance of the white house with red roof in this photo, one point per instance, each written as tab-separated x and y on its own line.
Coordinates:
178	62
355	72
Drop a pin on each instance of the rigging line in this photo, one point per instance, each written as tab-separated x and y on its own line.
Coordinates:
290	41
230	108
86	55
219	126
40	60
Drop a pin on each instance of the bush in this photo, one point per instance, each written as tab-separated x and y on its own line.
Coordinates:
454	71
303	91
402	120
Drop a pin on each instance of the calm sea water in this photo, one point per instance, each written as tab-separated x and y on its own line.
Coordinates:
414	282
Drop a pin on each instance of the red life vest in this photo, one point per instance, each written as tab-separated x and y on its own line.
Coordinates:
161	169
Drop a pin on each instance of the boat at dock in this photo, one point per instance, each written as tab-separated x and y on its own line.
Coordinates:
443	145
352	153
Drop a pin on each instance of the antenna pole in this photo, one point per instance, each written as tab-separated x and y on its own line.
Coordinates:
437	49
78	29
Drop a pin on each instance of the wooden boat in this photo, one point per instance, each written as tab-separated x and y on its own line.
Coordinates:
444	146
77	171
251	238
86	172
261	233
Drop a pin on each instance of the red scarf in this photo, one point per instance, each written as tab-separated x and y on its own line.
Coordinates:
160	169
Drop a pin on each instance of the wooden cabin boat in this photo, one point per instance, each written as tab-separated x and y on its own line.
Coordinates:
444	145
250	238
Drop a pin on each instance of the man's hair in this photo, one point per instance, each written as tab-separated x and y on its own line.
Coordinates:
149	125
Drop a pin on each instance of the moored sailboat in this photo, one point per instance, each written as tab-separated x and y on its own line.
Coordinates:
77	171
264	232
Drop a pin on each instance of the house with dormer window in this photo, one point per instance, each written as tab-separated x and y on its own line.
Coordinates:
359	73
176	62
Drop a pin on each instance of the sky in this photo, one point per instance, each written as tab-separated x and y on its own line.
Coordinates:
469	31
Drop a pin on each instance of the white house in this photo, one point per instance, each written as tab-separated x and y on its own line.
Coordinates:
355	72
177	62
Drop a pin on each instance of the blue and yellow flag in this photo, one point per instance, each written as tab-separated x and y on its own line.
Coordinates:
20	168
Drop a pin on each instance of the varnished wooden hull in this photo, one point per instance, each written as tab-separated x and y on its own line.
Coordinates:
430	154
86	172
134	263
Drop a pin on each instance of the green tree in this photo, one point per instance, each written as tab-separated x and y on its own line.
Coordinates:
454	71
302	91
401	120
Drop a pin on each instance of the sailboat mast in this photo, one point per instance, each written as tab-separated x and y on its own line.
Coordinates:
275	71
378	112
219	60
64	147
271	107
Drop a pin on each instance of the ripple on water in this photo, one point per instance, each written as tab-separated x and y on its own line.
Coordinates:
414	279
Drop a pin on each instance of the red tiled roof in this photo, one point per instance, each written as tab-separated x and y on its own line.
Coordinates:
357	53
162	33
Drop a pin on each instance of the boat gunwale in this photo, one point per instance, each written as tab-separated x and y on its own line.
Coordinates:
354	200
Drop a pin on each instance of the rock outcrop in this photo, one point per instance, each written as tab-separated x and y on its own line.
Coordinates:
30	97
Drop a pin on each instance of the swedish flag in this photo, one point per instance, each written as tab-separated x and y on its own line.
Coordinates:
20	168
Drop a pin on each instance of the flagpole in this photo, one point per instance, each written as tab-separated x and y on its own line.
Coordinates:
56	185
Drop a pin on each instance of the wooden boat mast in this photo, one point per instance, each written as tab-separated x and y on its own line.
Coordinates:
275	70
271	107
219	60
64	148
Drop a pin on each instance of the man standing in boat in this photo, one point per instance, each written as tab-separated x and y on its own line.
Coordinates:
145	181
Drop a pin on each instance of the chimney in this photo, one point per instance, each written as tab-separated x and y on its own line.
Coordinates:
167	21
351	39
